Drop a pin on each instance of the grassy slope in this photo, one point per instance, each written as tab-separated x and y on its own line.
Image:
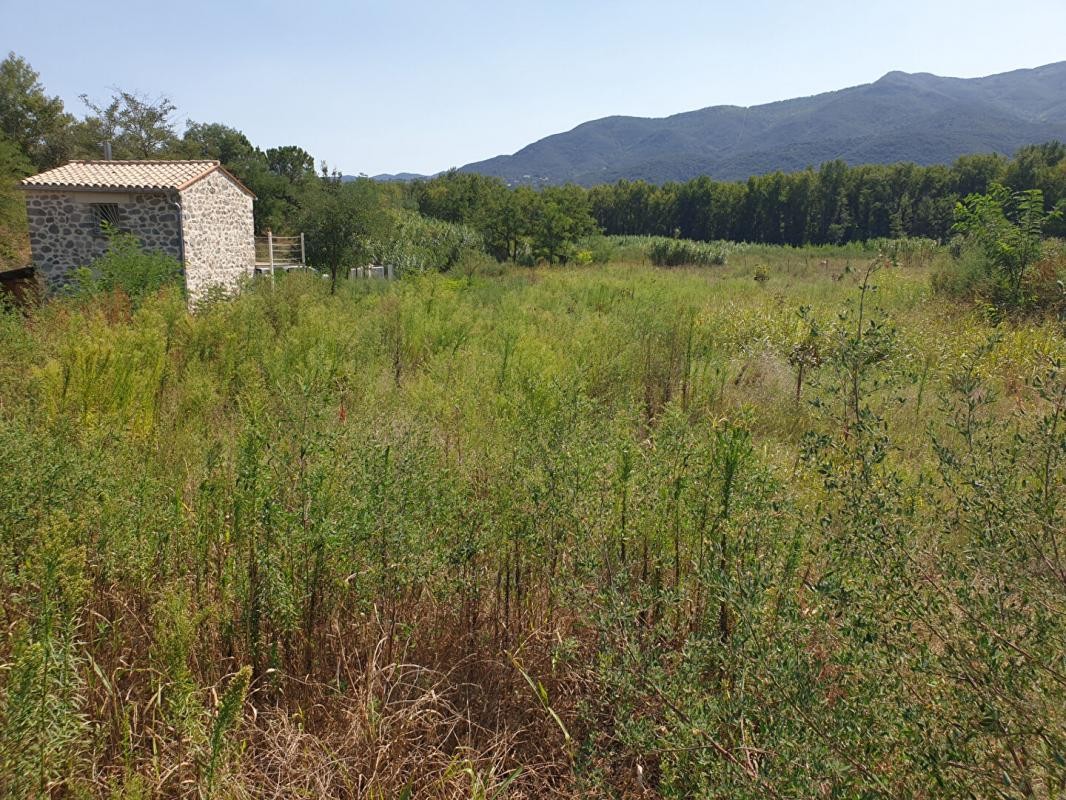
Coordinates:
394	505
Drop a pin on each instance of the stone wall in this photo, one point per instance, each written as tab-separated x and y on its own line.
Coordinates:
219	235
65	231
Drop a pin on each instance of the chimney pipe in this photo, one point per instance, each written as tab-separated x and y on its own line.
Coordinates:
107	151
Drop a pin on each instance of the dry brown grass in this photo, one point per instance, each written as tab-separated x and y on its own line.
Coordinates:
449	716
396	730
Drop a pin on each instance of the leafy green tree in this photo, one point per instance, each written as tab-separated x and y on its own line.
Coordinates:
13	240
341	221
559	216
1008	229
1043	167
291	162
137	125
1035	167
221	142
973	174
454	196
501	223
36	123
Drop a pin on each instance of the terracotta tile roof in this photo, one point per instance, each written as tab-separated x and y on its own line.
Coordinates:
125	175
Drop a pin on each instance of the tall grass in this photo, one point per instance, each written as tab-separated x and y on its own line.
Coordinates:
558	532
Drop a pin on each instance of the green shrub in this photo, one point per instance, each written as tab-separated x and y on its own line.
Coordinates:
1000	242
594	250
127	267
967	275
1046	282
477	262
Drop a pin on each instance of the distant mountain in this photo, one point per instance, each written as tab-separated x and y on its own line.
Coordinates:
901	117
386	177
399	176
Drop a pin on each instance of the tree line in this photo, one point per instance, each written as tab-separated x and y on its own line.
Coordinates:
834	204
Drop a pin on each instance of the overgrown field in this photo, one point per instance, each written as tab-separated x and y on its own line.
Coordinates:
612	530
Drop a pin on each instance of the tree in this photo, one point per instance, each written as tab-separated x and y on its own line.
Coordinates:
1043	167
501	224
290	162
559	216
1032	166
1008	229
137	126
973	174
340	221
14	245
221	142
30	119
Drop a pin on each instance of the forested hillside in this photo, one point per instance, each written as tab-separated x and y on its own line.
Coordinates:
919	118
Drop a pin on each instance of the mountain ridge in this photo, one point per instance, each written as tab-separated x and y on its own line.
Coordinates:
901	116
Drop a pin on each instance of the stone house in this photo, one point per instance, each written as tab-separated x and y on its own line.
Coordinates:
195	211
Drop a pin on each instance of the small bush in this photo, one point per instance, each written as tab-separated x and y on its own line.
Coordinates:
966	276
127	267
1000	245
595	250
971	276
909	252
477	262
1046	283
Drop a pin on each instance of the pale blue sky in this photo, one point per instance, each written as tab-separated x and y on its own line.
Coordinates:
421	86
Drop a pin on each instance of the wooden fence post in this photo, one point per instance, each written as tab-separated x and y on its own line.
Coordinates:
270	250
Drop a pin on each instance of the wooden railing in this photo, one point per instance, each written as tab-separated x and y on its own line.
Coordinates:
279	252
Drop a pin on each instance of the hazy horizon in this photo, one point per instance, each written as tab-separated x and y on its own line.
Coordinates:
420	87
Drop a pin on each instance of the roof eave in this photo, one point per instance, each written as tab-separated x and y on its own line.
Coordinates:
82	187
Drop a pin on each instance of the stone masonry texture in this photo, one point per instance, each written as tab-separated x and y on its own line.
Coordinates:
215	224
65	232
219	235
